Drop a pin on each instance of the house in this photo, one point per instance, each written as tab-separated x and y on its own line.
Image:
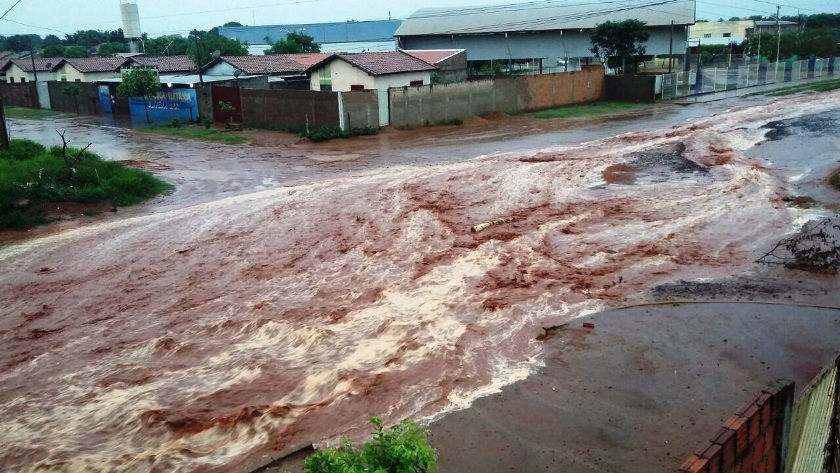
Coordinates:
281	70
549	34
165	65
89	69
21	70
344	72
451	63
347	36
736	31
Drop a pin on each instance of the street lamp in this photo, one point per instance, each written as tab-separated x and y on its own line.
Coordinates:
198	60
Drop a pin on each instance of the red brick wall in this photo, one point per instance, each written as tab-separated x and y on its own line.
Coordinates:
751	440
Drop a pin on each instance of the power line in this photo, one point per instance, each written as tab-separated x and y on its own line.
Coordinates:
10	9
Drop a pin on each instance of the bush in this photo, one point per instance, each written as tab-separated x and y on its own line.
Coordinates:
402	449
22	149
27	184
835	181
328	133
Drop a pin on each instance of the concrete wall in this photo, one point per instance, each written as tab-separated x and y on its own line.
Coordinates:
402	80
418	106
453	69
88	98
548	45
361	109
204	96
284	109
631	88
752	440
19	95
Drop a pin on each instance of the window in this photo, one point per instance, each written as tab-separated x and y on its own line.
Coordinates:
356	88
23	79
11	80
415	82
707	35
326	87
727	35
78	80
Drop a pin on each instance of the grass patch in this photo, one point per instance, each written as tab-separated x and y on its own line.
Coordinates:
199	133
328	133
22	113
588	110
835	181
32	176
823	86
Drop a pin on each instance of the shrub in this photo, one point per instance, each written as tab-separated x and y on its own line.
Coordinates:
402	449
329	133
835	181
22	149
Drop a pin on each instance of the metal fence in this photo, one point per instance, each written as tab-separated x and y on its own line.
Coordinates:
813	442
715	79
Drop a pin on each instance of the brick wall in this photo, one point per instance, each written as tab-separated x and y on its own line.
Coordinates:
19	95
88	98
751	440
284	109
631	88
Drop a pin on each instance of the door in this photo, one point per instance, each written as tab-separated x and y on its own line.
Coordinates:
384	108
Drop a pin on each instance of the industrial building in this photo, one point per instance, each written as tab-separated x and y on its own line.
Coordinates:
736	31
348	36
553	34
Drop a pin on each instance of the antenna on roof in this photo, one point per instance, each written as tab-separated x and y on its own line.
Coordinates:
216	54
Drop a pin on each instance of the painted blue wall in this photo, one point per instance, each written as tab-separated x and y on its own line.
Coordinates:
171	103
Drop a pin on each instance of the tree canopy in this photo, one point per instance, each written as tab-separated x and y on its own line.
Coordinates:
619	43
295	43
140	83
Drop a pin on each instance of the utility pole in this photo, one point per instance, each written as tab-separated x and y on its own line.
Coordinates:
34	69
198	59
671	47
778	42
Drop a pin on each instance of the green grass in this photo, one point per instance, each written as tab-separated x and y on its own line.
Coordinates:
199	133
823	86
31	176
588	110
29	113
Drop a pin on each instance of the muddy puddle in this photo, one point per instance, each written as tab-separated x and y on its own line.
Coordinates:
200	337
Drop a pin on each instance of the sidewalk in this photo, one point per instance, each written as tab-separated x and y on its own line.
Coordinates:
725	94
640	391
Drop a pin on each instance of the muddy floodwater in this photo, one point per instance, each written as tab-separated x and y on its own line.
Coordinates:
286	292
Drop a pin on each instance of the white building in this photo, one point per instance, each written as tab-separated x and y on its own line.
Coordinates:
89	69
21	70
344	72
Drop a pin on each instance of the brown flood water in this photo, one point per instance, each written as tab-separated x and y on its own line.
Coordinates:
195	334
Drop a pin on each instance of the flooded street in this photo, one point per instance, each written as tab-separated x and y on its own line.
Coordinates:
288	291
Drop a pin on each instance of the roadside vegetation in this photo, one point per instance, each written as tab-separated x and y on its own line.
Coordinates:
198	133
329	133
588	110
21	113
31	176
402	449
823	86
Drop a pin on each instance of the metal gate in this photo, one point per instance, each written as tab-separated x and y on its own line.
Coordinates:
230	96
813	445
384	108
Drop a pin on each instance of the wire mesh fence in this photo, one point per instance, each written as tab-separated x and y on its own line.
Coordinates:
715	79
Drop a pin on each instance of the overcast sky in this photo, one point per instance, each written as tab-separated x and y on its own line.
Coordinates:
160	17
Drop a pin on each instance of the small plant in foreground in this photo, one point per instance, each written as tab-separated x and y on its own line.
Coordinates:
401	449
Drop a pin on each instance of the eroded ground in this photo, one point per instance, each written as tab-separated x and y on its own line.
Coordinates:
285	299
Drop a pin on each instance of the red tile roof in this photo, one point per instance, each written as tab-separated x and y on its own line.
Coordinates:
380	63
41	64
433	56
165	63
96	64
274	63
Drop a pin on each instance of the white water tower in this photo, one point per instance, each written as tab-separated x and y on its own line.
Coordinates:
131	24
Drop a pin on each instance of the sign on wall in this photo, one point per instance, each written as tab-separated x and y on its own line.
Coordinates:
173	103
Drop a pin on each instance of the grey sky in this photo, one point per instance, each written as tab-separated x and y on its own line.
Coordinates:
159	17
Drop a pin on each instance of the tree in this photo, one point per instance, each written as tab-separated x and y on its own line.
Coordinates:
111	48
209	43
232	23
73	90
140	83
20	42
735	18
295	43
76	51
53	50
618	43
51	40
174	45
